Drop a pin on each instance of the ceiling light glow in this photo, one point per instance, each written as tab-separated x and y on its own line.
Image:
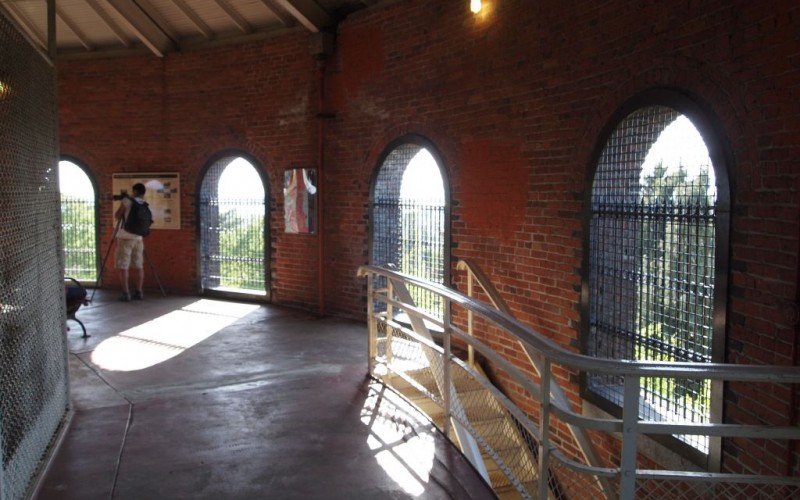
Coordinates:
475	6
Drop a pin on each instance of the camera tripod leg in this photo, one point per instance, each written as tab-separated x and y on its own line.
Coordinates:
99	280
155	274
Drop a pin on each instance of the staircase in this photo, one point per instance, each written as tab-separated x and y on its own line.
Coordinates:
511	467
495	435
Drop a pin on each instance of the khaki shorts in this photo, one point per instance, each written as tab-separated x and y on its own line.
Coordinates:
130	253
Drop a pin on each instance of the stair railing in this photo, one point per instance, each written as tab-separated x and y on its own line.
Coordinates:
559	474
439	367
475	275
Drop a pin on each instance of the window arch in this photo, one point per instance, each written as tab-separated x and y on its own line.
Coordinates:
654	281
410	215
233	234
78	221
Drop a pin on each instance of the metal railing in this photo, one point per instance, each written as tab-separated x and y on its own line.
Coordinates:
79	235
419	359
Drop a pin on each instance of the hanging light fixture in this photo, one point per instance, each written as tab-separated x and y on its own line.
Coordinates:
475	6
5	90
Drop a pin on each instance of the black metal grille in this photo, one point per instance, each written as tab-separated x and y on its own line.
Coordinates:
652	244
33	362
78	227
408	228
232	235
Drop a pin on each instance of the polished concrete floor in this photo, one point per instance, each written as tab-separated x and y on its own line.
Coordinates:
190	398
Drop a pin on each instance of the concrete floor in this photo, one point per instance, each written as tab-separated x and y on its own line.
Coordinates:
182	397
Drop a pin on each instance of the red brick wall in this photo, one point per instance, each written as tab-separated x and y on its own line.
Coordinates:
514	100
145	114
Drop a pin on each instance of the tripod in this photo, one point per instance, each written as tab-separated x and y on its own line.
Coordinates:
99	282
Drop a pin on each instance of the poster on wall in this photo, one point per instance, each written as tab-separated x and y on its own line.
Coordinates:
299	200
162	194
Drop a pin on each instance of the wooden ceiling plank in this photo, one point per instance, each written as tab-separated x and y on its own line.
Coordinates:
308	13
150	34
109	21
237	18
192	16
154	15
277	11
80	35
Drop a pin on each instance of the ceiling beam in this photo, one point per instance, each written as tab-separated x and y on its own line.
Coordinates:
74	28
112	25
26	24
308	13
148	32
234	16
190	14
279	12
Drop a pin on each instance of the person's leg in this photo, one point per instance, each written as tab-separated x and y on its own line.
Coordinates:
122	261
138	274
123	281
137	263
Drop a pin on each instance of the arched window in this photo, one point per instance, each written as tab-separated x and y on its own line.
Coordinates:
78	222
657	242
409	216
233	229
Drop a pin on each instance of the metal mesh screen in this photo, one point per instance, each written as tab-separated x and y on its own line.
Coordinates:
408	226
33	372
652	245
233	228
78	225
647	489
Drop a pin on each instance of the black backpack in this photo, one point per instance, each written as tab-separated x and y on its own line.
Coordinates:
139	218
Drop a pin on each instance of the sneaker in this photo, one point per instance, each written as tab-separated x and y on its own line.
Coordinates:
138	295
124	297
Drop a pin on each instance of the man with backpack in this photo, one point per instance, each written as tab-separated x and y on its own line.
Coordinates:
133	223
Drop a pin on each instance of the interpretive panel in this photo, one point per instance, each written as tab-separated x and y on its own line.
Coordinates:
163	195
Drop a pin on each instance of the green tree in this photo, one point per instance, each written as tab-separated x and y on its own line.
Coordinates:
241	239
79	237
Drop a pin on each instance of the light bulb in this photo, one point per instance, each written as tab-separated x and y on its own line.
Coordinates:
475	6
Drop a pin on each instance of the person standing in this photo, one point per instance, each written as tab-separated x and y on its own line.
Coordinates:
130	247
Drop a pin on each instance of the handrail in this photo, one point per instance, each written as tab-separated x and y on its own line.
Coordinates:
560	355
559	398
546	354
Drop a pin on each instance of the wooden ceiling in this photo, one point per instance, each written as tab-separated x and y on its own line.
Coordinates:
86	28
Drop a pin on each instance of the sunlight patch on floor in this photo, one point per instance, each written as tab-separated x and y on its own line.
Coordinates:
399	438
167	336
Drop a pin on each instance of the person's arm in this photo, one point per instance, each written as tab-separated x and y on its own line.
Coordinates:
120	213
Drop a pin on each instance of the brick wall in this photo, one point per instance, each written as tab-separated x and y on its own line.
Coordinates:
178	114
514	100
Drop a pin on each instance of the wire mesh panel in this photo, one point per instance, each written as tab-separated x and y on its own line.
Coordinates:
233	211
78	226
408	220
33	363
652	247
650	489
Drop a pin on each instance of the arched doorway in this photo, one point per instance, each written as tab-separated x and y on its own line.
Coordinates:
78	221
233	232
410	216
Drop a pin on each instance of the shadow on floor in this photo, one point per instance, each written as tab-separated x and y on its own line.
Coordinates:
183	397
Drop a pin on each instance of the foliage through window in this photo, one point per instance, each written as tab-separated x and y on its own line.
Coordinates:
408	219
78	225
652	244
232	228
